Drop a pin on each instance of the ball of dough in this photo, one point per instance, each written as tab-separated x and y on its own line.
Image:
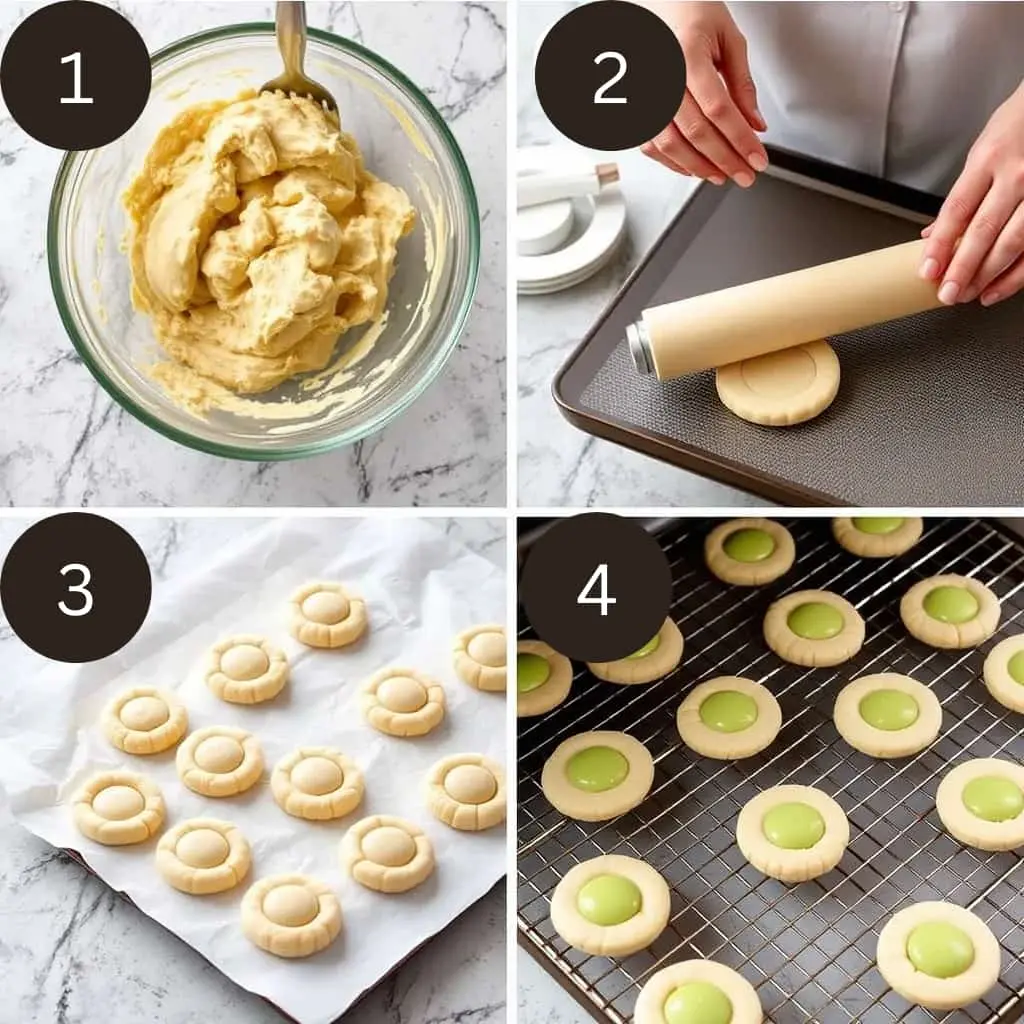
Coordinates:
118	808
1004	672
749	552
479	656
729	718
697	992
317	783
387	854
655	660
290	915
326	615
467	792
950	611
543	678
877	536
246	670
403	702
144	720
814	628
203	855
888	715
220	761
981	803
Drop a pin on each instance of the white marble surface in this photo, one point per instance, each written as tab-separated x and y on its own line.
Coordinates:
540	1000
64	442
559	464
73	952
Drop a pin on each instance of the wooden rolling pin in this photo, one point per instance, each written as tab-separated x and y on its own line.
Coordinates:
792	309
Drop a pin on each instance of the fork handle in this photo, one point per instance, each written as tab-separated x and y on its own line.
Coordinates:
290	21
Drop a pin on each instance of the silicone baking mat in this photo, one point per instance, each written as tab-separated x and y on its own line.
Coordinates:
928	412
809	950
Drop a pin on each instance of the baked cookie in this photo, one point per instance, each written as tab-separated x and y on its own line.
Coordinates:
877	536
543	678
697	992
610	906
793	833
246	669
144	720
118	808
888	715
981	803
203	855
729	718
659	656
479	657
596	776
950	611
387	854
317	783
467	792
814	628
219	761
938	955
403	702
1004	672
326	615
749	552
290	915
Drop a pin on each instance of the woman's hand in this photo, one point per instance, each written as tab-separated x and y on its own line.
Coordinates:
712	135
985	212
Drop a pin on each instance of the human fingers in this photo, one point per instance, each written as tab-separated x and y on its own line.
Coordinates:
1007	284
959	207
735	69
976	243
705	139
651	150
1006	250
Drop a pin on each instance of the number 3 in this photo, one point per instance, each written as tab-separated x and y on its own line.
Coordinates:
599	96
599	575
78	588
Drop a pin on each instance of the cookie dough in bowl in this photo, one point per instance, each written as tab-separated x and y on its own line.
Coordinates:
610	906
290	915
938	955
659	656
118	808
950	611
697	992
543	678
327	615
246	670
793	833
814	628
403	702
749	552
144	720
467	792
981	803
203	855
729	718
596	776
877	536
888	715
387	854
479	655
1003	672
220	761
317	783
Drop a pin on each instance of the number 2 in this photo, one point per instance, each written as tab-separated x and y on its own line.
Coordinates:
599	575
78	588
600	96
75	59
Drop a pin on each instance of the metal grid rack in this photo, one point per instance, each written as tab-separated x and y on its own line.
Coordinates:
809	950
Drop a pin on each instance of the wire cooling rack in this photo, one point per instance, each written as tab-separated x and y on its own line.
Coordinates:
808	950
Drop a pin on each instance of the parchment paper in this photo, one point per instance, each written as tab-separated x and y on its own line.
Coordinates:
421	589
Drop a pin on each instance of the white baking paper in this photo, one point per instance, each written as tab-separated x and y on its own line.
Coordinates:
421	588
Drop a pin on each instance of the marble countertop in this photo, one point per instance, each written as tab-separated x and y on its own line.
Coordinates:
558	463
71	950
65	442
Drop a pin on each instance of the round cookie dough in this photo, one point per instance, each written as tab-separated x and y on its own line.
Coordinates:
793	833
814	628
783	388
387	854
403	702
203	855
938	955
659	656
246	670
467	792
317	783
981	803
877	536
543	678
144	720
729	718
749	552
697	992
610	906
118	808
220	761
326	615
1004	672
479	654
950	611
888	715
596	776
290	915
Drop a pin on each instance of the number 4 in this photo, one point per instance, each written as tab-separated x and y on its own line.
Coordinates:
599	575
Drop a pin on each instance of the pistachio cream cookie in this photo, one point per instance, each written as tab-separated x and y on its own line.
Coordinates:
479	657
203	855
697	992
246	670
888	715
403	702
1004	672
467	792
950	611
749	552
610	906
729	718
814	628
118	808
877	536
596	776
144	720
793	833
981	803
327	615
220	761
938	955
317	783
290	915
543	678
659	656
387	854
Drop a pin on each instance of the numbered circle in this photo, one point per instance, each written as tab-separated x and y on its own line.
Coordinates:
75	587
610	75
75	75
596	587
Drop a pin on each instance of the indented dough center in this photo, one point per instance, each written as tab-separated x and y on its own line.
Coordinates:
326	607
487	649
779	374
402	694
202	848
470	784
317	776
219	754
290	905
244	662
118	803
392	847
144	714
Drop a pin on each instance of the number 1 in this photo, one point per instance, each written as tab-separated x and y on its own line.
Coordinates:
76	59
77	588
599	575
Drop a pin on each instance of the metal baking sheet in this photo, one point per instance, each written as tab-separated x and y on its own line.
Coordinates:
928	412
809	950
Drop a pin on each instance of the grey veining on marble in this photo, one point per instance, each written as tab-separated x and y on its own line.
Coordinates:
63	441
540	1000
557	463
73	952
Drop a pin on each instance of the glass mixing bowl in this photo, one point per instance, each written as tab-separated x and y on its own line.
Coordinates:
404	141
